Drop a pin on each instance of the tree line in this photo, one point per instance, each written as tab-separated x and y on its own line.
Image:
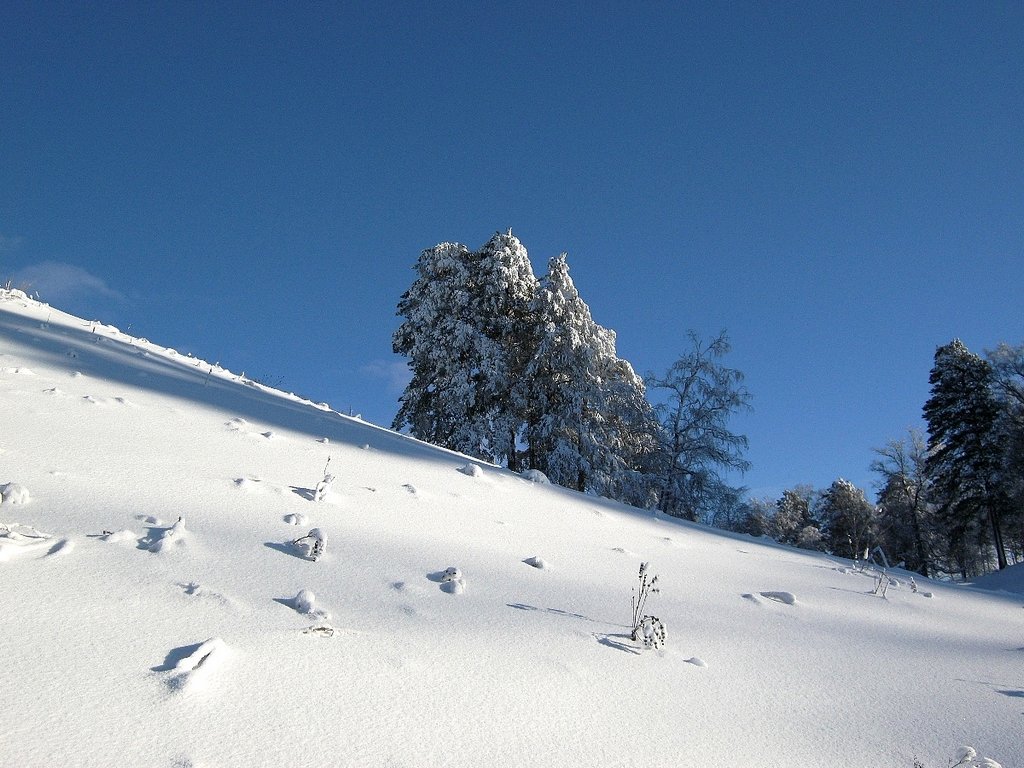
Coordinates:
949	502
513	369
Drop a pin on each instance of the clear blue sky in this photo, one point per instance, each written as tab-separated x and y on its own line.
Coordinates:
840	186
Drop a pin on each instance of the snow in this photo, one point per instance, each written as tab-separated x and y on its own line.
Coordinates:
156	613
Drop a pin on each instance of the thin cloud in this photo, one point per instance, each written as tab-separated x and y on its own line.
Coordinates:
59	283
8	243
395	374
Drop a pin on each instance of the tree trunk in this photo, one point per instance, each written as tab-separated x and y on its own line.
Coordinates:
997	537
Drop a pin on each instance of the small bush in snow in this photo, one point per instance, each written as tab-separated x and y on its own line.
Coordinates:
304	601
322	488
312	544
452	581
882	582
966	757
649	630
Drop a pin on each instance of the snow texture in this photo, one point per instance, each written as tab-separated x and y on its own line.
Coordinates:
153	611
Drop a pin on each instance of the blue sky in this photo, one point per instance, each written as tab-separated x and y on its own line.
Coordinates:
840	186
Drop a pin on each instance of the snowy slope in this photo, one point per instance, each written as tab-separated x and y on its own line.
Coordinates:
149	615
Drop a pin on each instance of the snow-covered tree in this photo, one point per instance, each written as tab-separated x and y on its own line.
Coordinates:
965	459
440	339
584	406
466	319
696	443
794	522
905	518
503	291
848	519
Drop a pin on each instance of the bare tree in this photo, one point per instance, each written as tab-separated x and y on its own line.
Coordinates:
697	444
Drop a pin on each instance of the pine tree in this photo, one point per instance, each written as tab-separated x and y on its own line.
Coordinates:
848	519
582	402
965	460
465	321
439	339
1008	370
793	521
503	292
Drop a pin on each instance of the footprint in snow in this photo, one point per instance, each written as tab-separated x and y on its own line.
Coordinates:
194	589
786	598
18	540
536	562
410	488
192	666
296	519
163	540
247	483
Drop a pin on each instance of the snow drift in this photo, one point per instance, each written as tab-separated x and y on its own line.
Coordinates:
156	611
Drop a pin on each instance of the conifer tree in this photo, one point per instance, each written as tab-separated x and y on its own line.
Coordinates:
466	319
965	459
848	519
438	338
583	404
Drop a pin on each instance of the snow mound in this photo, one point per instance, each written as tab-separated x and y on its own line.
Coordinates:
536	562
18	540
1009	579
195	665
162	540
305	600
472	470
452	580
535	476
14	493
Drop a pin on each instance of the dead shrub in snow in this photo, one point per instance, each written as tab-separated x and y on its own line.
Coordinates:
647	629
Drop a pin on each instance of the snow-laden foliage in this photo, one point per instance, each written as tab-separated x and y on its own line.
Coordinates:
464	322
584	406
848	519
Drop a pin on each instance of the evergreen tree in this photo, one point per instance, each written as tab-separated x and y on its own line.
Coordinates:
581	401
1008	371
465	321
501	302
965	459
695	442
439	339
848	519
793	522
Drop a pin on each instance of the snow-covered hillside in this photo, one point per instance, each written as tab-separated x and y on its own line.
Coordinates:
155	613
